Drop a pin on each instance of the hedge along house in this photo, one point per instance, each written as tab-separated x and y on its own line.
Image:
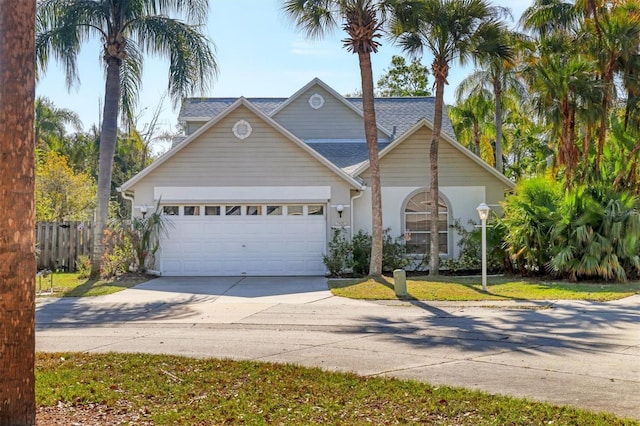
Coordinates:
257	184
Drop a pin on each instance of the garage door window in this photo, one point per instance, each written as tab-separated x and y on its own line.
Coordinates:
232	210
254	211
295	211
274	210
192	210
171	210
212	210
315	210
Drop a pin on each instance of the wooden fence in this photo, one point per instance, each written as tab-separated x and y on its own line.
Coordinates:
60	243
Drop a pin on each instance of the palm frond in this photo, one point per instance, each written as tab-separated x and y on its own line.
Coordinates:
130	81
191	55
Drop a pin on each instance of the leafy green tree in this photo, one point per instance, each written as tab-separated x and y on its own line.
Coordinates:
527	138
127	29
83	150
363	22
402	79
62	194
448	30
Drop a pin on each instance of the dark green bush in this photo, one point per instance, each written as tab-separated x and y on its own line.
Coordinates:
587	232
355	255
529	216
361	251
339	260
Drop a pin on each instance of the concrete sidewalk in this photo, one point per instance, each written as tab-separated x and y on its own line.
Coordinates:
576	353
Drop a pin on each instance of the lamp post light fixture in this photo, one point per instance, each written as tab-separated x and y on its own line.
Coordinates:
483	212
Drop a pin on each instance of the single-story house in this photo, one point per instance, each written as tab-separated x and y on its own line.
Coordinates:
256	185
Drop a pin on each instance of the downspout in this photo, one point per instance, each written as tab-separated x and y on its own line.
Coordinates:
355	197
128	198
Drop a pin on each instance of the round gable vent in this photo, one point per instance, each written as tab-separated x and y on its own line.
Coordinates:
316	101
242	130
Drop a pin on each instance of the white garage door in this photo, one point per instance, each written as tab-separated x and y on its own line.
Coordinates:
252	240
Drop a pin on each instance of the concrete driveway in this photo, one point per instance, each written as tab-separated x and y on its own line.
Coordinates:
577	353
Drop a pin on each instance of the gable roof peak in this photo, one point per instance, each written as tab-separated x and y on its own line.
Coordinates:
317	82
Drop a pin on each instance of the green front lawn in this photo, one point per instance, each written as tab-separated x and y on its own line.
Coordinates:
470	289
170	390
70	285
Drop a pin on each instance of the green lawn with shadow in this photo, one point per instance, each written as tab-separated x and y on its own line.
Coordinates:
451	288
71	285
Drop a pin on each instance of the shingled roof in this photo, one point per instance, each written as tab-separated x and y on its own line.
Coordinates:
397	115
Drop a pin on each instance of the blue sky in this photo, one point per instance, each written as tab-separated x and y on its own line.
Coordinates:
259	53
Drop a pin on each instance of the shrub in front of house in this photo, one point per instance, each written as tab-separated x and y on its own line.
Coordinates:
353	256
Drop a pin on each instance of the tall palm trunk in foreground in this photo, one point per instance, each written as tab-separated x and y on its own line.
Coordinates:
362	21
17	235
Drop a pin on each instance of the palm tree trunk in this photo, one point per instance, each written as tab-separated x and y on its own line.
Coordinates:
440	72
17	236
497	88
604	119
371	134
476	136
108	137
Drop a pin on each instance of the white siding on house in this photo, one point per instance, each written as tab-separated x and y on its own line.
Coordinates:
408	165
462	206
334	120
217	158
320	194
404	170
192	126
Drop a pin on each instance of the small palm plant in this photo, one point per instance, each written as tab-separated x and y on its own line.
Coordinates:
145	234
598	235
530	214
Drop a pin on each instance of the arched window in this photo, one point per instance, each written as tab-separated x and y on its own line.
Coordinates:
417	219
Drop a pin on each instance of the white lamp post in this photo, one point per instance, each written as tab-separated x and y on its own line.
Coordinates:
483	212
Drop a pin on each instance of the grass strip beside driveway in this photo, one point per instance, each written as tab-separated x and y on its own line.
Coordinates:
71	285
451	288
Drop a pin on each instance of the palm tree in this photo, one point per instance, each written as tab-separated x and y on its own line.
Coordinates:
17	236
470	117
562	86
449	30
50	124
555	72
498	73
617	41
362	20
127	29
